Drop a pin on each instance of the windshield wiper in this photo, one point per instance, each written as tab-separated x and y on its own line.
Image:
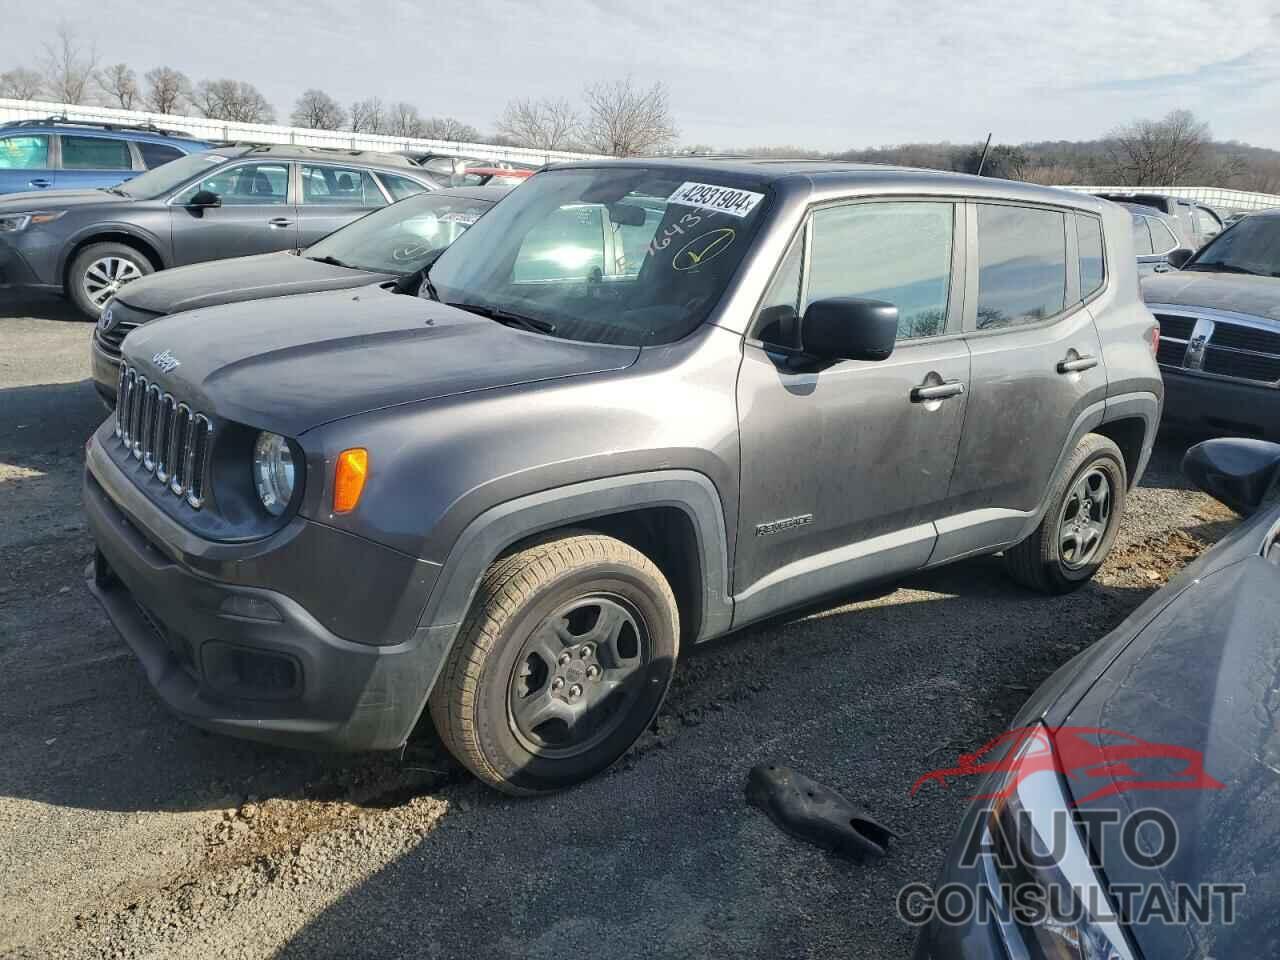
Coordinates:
116	190
332	261
1221	267
536	324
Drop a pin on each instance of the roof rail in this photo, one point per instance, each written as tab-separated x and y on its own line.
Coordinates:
66	121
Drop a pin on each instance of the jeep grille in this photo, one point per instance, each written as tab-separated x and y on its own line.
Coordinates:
170	439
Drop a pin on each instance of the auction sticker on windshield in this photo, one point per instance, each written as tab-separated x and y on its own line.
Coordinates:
708	196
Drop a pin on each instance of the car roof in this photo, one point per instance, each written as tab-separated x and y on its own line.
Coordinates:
291	151
123	130
837	174
1142	209
491	193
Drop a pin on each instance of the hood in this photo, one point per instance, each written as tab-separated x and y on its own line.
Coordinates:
243	278
1236	292
293	363
1204	675
57	200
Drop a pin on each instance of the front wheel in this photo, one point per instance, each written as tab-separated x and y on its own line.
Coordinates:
1080	525
99	271
560	666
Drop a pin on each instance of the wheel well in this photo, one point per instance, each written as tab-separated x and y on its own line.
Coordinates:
1128	434
666	536
128	239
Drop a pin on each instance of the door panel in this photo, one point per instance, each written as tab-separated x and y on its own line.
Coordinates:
256	215
26	163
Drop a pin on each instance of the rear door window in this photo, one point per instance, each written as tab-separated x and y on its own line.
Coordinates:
340	185
95	153
1141	237
1162	240
1022	265
24	152
896	252
1092	260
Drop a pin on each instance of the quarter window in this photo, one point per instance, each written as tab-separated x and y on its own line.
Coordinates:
24	153
154	154
1022	265
1092	263
896	252
246	184
95	153
401	187
340	185
1162	240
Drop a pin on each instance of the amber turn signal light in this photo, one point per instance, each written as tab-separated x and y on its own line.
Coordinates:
348	479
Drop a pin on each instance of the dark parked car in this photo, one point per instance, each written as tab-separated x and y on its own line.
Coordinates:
643	403
1220	332
221	203
393	243
1166	727
1155	240
1198	224
62	154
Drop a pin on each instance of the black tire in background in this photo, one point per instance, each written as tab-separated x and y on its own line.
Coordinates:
99	270
582	623
1074	538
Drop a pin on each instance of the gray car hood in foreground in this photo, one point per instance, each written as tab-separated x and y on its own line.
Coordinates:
243	278
1204	674
1237	292
293	363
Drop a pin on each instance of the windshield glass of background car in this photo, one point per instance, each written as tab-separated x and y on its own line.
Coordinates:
401	238
1252	245
158	182
626	255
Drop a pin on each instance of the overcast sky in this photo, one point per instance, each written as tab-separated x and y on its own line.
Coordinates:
821	74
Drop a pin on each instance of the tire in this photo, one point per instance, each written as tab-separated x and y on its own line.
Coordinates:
584	610
1045	561
116	263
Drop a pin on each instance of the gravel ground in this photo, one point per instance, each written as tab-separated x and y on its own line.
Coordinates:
125	833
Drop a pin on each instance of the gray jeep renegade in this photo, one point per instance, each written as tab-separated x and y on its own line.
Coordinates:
638	405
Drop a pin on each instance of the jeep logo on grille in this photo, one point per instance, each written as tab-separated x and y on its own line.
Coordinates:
166	361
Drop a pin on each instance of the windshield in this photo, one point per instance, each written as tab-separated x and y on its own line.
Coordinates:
400	238
624	255
158	182
1251	246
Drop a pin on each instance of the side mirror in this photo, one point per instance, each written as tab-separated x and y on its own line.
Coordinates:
203	199
846	328
1239	473
1177	257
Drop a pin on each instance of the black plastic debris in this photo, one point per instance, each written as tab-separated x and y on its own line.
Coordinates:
817	814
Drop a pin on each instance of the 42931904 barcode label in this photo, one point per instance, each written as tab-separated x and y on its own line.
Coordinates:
709	196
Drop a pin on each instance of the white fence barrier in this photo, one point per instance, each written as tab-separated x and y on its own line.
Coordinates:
1216	197
204	128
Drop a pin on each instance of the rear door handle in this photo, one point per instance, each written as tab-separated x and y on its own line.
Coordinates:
937	391
1076	364
279	222
39	183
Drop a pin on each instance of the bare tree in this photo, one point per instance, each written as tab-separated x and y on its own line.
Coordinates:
234	100
367	116
403	120
316	110
21	83
625	121
69	66
167	90
120	83
447	128
1159	152
544	124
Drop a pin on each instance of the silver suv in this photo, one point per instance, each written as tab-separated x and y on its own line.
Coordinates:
639	404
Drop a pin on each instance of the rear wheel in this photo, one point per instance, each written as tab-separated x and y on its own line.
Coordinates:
562	663
99	271
1079	528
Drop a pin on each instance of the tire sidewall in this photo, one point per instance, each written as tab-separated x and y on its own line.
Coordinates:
75	275
499	745
1107	459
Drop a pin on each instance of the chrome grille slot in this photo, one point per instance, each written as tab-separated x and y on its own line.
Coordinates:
1177	328
1237	336
173	441
1246	366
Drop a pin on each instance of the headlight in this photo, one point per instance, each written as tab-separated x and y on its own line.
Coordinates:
17	222
1050	855
273	472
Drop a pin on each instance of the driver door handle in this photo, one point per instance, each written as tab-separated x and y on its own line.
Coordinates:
937	391
39	183
1078	364
279	222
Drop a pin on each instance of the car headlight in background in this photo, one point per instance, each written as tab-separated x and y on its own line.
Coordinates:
273	472
17	222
